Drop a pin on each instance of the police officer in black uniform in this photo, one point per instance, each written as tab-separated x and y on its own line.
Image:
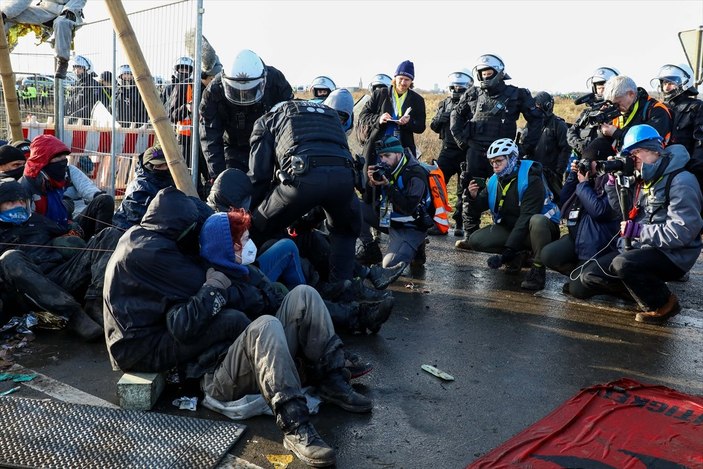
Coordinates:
231	104
486	113
552	149
451	157
299	160
675	83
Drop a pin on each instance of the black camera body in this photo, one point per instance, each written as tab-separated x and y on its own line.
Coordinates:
598	112
381	170
619	164
584	166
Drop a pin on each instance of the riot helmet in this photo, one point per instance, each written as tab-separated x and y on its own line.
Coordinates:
342	101
183	67
82	62
122	71
680	75
245	80
380	80
459	82
545	102
321	87
492	62
599	77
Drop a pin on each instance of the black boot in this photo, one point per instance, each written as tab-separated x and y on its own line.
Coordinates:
382	277
357	291
300	437
369	253
61	67
332	291
535	279
373	315
354	366
335	388
83	326
420	256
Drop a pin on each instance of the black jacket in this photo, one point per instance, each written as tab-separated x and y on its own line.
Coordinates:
83	96
440	123
382	101
225	128
130	107
37	231
687	126
552	149
153	287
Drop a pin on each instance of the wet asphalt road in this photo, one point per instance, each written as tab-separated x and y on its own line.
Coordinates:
515	355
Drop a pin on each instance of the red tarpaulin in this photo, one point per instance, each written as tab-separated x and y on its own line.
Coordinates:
619	425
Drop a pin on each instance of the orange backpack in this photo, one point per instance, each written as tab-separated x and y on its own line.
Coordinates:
439	207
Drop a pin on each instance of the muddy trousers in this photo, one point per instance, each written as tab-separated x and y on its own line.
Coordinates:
261	359
643	272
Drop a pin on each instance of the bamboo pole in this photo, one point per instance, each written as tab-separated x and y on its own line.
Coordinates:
7	76
147	90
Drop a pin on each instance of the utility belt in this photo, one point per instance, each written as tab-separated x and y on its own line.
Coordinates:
329	161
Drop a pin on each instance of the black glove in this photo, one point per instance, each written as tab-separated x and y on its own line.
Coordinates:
497	260
444	117
69	15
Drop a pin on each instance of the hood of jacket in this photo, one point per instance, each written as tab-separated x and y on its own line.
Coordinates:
674	157
217	245
42	149
171	214
232	188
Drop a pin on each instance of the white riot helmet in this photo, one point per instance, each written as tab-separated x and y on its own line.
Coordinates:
84	62
380	80
600	76
245	80
124	69
183	62
496	64
680	75
322	86
502	147
459	81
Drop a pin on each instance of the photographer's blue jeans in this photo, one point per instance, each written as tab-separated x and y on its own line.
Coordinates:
281	262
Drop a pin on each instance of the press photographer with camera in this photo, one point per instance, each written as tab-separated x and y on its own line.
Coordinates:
402	185
665	237
636	107
589	211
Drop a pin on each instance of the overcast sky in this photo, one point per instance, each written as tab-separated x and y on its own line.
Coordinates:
546	45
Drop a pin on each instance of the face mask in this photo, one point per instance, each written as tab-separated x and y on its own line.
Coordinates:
248	253
13	173
56	171
16	216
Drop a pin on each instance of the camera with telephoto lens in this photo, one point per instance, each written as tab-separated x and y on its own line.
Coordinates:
381	170
584	166
619	164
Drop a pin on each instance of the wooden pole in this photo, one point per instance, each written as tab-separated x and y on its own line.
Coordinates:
7	76
147	90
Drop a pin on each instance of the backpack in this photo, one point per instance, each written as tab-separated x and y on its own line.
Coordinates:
438	207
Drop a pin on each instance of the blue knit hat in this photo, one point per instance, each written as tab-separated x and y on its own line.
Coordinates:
390	145
407	69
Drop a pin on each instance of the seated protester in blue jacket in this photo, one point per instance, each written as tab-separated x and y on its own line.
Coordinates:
588	209
663	229
525	218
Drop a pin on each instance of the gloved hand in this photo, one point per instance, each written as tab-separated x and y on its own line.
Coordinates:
444	117
464	179
217	279
69	15
497	260
632	229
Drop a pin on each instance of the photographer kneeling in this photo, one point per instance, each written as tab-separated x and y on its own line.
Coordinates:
403	194
665	240
525	218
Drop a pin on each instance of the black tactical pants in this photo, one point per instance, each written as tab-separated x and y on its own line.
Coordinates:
477	166
449	162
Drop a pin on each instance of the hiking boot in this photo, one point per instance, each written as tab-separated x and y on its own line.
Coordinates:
61	67
373	315
459	232
382	277
369	253
333	290
670	309
463	244
357	291
434	231
535	279
566	288
308	446
514	266
420	256
354	366
335	389
81	324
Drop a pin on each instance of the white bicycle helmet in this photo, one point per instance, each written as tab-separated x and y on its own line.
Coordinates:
245	80
502	147
84	62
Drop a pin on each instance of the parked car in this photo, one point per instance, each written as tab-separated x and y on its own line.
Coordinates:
39	80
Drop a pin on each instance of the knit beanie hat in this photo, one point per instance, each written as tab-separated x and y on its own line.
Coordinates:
8	154
407	69
390	145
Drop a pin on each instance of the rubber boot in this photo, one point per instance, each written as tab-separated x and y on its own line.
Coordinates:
300	437
81	324
382	277
335	389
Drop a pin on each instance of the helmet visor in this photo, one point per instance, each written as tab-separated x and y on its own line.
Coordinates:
244	92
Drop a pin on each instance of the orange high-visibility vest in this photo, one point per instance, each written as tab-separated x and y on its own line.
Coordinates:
185	126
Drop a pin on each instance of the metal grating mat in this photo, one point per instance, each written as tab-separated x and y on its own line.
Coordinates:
44	433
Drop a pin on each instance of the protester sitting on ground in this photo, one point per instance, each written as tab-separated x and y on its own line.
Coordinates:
587	206
12	162
36	273
87	204
159	317
665	239
152	175
401	185
525	219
